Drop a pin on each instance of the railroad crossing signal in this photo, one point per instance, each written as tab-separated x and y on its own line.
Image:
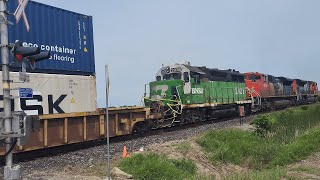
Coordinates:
19	51
28	56
20	12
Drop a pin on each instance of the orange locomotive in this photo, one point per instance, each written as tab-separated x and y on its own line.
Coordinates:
269	92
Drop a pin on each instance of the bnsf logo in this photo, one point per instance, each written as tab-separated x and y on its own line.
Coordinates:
197	90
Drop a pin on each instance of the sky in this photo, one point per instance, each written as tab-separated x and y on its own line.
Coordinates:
135	37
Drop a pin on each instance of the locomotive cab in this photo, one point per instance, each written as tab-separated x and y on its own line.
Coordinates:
259	85
171	82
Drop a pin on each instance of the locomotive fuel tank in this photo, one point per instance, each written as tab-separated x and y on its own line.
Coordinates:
223	113
281	103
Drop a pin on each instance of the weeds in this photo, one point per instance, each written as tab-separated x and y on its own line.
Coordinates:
274	174
152	166
281	138
300	148
305	169
238	147
184	147
286	125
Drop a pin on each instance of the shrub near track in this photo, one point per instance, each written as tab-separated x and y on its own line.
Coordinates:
281	138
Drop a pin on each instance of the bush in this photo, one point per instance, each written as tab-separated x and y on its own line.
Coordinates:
153	166
304	108
263	125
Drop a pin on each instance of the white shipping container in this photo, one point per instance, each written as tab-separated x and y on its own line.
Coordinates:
53	93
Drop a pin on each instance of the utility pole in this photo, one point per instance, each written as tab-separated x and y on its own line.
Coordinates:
6	79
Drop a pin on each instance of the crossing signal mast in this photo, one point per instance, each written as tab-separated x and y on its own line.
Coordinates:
14	126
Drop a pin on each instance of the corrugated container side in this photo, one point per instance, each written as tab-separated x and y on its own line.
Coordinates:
54	94
67	35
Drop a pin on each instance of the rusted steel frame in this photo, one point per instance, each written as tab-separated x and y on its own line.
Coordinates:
65	130
84	124
69	115
45	133
116	120
95	113
101	125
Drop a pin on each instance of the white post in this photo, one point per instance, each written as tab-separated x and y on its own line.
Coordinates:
107	118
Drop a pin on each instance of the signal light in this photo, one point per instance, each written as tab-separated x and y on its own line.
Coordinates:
38	57
19	50
18	57
31	55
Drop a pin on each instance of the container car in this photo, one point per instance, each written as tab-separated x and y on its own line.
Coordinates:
67	35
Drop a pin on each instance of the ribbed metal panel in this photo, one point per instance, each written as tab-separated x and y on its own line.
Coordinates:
54	94
67	35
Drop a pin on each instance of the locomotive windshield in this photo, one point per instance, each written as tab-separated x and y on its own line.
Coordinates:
172	76
254	78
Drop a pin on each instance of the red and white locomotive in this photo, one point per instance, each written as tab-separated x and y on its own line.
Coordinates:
268	91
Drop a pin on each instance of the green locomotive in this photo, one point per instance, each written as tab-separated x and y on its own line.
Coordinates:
185	94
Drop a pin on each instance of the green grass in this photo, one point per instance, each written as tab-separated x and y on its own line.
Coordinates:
284	126
183	147
153	166
247	149
238	147
290	136
305	169
300	148
268	174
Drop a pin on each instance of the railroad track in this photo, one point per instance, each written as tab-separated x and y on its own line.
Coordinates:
56	151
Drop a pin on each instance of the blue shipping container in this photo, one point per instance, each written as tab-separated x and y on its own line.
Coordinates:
68	36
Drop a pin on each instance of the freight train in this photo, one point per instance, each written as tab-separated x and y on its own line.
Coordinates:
185	94
65	88
181	94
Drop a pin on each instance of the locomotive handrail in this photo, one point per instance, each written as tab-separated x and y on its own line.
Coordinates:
251	91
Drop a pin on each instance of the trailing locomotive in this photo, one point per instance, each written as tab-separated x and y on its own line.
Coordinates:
269	92
185	94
